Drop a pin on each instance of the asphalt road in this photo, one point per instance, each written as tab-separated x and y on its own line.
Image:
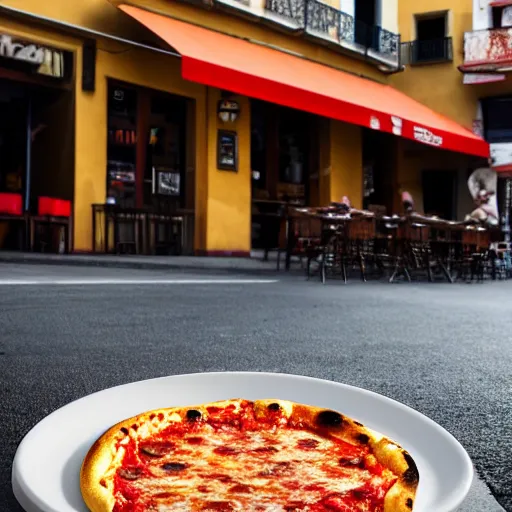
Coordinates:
443	349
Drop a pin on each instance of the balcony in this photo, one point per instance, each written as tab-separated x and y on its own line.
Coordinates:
320	21
435	51
487	50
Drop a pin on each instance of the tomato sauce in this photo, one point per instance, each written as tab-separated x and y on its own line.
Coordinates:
194	433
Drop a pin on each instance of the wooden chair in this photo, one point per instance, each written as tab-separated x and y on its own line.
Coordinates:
300	236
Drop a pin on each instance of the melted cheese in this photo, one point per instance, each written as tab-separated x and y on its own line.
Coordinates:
301	468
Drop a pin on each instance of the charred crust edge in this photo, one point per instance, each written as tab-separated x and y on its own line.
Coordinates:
328	418
274	407
409	503
363	438
194	415
411	475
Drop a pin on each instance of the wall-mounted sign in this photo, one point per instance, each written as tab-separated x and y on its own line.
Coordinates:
397	125
227	151
48	61
427	137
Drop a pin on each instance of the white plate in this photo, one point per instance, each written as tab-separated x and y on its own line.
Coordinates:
45	475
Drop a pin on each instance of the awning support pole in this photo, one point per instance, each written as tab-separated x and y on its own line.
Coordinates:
506	217
28	166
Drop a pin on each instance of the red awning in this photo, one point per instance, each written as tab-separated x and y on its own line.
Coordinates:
503	169
500	3
254	70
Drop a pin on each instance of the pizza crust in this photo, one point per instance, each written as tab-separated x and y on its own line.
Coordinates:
103	459
400	498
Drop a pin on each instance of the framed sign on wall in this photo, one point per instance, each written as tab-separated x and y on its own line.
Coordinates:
227	150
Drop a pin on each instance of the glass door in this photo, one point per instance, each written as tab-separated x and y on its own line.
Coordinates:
164	177
122	145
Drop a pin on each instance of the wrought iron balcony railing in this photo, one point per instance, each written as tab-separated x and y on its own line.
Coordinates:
427	52
488	49
291	10
321	20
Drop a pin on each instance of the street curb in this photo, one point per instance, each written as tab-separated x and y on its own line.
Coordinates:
135	265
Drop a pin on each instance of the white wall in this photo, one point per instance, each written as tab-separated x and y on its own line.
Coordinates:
389	15
348	6
482	14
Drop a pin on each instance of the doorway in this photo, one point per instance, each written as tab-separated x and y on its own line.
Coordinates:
36	147
366	13
431	34
147	145
379	183
439	193
165	165
14	101
282	153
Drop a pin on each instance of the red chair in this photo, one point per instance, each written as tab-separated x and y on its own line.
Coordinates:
11	204
11	211
51	213
52	207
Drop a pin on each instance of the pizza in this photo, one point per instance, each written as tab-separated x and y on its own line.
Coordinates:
247	456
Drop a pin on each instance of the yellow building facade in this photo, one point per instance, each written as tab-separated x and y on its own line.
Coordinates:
434	75
127	53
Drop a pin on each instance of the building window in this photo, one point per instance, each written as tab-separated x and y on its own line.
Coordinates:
502	16
497	114
432	43
366	18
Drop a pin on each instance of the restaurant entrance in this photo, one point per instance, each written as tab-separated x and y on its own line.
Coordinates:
36	160
150	194
284	150
379	162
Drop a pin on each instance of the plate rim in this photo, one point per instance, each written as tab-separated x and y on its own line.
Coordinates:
452	504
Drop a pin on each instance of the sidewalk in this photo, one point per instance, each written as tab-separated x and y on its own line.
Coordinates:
254	264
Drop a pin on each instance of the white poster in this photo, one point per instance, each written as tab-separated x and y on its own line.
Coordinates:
506	17
483	187
501	154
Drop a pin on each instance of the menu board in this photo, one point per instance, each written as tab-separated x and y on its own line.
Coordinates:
227	151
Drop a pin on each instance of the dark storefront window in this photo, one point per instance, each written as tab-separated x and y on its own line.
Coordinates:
122	143
164	176
159	156
281	140
498	119
13	139
294	144
280	152
258	145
